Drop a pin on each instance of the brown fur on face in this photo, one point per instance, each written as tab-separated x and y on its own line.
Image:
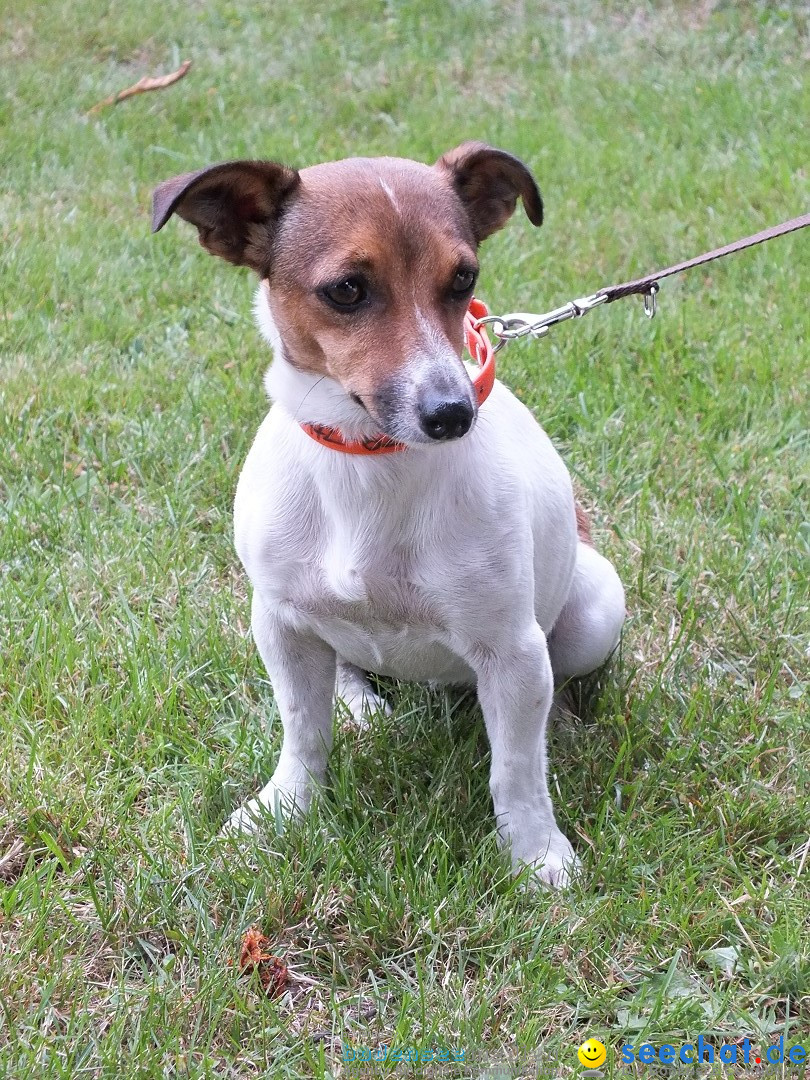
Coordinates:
403	228
397	225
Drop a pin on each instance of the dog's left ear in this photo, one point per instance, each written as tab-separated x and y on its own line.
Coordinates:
488	182
235	207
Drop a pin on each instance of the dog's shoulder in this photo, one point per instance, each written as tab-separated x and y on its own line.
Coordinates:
520	448
276	507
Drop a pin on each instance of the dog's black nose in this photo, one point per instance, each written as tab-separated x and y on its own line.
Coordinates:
446	419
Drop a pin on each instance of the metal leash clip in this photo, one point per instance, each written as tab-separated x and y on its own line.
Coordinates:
520	324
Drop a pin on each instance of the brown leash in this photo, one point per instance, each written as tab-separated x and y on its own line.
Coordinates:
522	324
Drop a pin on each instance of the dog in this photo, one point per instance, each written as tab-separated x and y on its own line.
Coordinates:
388	521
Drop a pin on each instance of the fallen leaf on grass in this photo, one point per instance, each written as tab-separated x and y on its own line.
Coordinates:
12	862
142	86
273	973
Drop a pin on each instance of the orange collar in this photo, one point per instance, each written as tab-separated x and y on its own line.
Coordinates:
480	349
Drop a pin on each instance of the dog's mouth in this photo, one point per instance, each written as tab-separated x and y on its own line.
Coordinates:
422	415
442	424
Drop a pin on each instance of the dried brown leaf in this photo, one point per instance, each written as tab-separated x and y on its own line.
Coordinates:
143	86
273	973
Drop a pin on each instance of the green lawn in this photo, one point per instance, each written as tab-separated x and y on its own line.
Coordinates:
133	703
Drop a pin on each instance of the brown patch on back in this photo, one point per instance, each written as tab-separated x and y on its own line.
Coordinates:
583	525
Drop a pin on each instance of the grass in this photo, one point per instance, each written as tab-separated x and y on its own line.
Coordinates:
132	702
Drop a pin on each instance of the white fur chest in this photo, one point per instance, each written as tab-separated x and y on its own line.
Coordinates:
388	622
403	563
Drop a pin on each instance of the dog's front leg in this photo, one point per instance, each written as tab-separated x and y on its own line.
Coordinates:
515	688
302	670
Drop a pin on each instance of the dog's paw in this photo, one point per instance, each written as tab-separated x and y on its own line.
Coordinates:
557	872
362	705
269	810
555	865
246	820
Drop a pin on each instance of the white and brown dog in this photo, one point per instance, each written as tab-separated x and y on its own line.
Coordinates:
443	546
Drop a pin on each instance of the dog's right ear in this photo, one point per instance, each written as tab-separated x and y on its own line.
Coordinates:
235	207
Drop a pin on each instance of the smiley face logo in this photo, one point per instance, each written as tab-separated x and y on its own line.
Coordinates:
592	1054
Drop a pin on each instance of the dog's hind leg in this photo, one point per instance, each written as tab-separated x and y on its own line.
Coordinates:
590	623
353	689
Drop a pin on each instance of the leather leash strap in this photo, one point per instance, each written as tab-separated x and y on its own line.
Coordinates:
522	324
510	327
644	285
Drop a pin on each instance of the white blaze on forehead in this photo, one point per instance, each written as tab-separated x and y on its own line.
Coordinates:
391	196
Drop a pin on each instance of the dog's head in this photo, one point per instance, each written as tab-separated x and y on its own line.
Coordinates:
368	265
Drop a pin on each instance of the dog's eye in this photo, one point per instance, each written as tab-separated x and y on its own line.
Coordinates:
345	294
463	282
